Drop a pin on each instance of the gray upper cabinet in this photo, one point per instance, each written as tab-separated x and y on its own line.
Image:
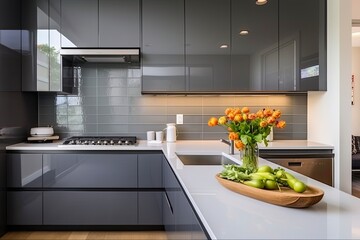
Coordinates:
10	45
207	35
302	45
41	46
163	58
100	23
79	23
254	55
119	23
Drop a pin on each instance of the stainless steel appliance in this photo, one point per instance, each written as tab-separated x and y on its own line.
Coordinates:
101	140
316	164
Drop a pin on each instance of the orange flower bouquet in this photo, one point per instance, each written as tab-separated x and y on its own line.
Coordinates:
248	129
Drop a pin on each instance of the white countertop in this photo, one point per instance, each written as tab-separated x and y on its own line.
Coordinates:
228	215
144	145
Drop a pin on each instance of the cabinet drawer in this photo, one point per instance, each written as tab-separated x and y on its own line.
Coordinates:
24	208
90	208
24	170
150	208
150	170
90	170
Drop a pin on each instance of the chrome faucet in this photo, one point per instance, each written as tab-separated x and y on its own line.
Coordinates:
231	145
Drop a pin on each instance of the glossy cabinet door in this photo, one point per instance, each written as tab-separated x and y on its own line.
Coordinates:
55	45
79	23
254	56
90	170
90	208
119	23
24	207
180	220
302	45
150	170
150	208
207	34
24	170
163	50
35	46
10	45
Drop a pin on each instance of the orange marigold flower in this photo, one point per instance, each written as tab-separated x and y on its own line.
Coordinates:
228	110
212	122
260	114
222	120
251	116
281	124
238	118
231	116
263	124
236	111
268	112
229	129
270	120
239	144
233	136
245	110
276	114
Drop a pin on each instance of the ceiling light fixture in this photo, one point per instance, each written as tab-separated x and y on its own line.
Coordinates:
244	32
224	46
261	2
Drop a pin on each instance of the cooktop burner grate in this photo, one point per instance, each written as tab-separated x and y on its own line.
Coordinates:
101	140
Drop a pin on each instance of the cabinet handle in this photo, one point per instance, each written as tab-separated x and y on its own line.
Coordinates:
168	202
294	164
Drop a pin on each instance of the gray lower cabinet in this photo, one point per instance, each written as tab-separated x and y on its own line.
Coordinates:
90	208
150	179
24	170
90	170
180	220
24	207
150	208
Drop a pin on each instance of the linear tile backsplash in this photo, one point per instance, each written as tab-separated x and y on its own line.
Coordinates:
109	102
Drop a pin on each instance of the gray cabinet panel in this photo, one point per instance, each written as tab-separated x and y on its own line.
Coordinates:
10	45
90	170
249	69
24	208
302	38
24	170
207	63
119	23
79	23
163	46
55	45
150	170
150	208
90	208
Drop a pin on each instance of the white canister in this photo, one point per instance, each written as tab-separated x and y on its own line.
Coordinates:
170	132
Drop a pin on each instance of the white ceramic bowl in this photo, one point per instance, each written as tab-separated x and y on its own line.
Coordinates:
41	131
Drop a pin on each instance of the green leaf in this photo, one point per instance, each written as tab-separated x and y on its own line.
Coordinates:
258	138
244	139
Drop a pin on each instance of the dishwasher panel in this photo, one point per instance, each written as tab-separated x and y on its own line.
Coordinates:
316	168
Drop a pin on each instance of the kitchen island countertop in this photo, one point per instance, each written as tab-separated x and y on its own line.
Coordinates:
228	215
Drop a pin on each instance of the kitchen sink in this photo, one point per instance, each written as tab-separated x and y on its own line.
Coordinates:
187	159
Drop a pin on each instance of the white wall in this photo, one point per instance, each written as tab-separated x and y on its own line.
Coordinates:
329	112
355	109
355	9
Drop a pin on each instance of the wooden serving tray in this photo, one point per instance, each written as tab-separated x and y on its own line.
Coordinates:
286	197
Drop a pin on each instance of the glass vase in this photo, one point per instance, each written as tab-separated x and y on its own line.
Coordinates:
250	156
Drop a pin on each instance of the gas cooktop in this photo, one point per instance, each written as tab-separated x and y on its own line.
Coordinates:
100	140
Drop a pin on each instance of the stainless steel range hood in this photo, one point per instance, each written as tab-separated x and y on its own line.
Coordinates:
103	55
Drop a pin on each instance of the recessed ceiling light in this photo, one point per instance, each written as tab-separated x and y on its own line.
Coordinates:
244	32
261	2
224	46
